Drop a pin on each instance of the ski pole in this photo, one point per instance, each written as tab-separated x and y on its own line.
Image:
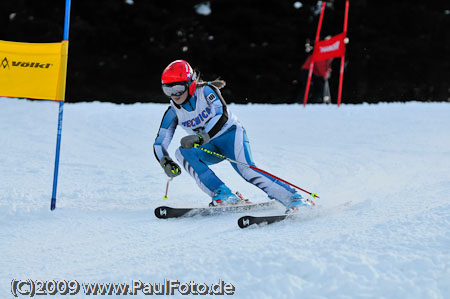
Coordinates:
165	197
314	195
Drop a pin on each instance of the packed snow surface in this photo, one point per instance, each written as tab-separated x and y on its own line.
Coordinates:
392	161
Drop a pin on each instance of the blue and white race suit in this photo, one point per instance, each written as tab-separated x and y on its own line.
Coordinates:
206	111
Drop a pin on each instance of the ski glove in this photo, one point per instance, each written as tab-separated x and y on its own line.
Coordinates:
170	168
189	141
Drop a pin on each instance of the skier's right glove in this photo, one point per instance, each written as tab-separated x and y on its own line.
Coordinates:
170	168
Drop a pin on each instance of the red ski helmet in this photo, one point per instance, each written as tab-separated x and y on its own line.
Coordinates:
180	71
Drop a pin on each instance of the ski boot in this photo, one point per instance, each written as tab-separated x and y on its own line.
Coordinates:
296	201
223	196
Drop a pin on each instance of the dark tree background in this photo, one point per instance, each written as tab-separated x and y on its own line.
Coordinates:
398	50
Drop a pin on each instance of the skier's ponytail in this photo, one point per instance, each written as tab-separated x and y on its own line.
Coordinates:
216	83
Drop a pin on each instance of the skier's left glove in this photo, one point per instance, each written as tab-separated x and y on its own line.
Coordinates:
189	141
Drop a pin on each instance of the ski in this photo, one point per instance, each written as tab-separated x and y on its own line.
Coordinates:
165	212
247	221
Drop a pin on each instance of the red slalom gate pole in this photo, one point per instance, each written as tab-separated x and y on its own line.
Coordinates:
314	195
311	65
341	75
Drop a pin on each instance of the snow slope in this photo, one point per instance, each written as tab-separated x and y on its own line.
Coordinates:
391	160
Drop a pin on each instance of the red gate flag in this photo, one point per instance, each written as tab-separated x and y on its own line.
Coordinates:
327	49
330	48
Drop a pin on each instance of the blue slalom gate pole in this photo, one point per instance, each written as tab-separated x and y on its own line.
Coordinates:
60	116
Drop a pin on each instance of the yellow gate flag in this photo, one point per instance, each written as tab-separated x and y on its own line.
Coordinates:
33	70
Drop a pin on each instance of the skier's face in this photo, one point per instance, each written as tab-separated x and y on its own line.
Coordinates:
180	99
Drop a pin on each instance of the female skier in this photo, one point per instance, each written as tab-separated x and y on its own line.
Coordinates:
199	108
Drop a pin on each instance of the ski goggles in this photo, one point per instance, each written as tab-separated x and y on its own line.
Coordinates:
174	89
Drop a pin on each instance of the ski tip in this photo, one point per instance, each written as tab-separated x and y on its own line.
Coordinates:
245	221
161	212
